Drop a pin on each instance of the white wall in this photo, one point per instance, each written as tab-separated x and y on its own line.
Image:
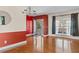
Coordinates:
18	19
78	22
49	24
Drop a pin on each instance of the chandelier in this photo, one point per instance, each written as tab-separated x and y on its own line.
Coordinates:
29	11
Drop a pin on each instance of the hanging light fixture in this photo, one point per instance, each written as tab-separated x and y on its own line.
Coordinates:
29	11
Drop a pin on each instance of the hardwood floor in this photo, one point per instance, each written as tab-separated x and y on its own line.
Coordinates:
50	45
28	48
75	46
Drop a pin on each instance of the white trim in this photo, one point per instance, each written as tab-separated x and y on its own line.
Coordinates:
65	36
13	31
3	49
27	35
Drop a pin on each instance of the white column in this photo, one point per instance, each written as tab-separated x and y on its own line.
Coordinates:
50	24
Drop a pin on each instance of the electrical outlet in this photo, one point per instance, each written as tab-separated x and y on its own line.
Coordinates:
5	42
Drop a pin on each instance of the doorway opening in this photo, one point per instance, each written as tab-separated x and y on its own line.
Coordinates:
38	37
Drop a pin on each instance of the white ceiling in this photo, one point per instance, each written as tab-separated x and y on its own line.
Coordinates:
50	9
53	9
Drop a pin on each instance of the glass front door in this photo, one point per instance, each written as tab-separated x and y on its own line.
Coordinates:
38	38
38	27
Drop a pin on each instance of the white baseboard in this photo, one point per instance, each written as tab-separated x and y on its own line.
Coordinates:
9	47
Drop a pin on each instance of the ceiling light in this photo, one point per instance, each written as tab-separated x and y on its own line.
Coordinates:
29	11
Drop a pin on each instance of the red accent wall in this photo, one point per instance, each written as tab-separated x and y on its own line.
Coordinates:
12	38
45	18
29	24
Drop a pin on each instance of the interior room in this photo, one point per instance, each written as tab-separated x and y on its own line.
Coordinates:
39	29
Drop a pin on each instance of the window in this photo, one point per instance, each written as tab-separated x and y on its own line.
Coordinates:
63	24
2	20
